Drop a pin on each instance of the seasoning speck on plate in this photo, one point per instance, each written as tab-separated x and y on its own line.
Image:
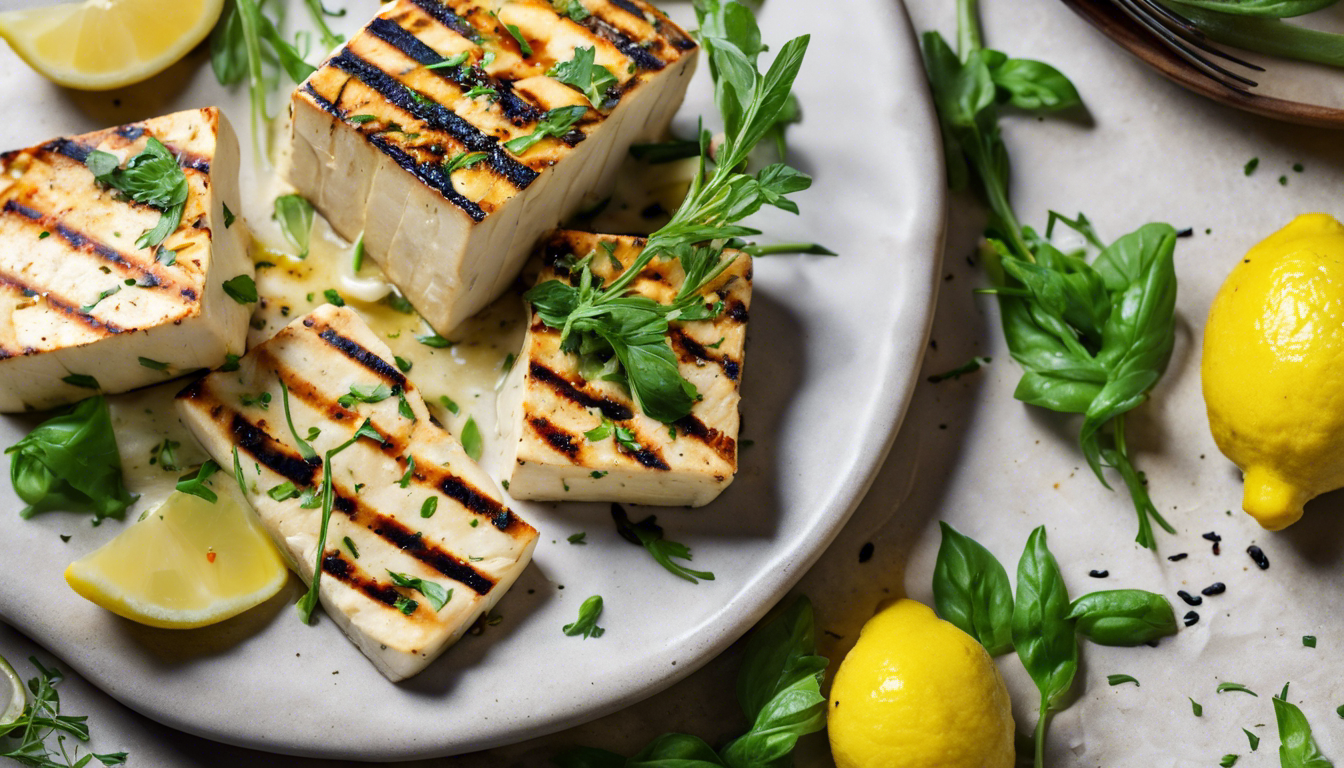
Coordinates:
1216	588
1191	619
1258	555
1189	598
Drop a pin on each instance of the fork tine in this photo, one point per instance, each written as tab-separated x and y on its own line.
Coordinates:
1193	34
1183	47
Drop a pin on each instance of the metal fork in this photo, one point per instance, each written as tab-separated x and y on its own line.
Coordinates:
1186	40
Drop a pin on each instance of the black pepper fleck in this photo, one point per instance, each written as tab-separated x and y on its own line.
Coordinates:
1098	574
1191	619
1178	556
1258	555
1216	588
1189	598
1211	536
866	552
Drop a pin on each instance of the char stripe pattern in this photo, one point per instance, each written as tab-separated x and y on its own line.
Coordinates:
258	444
557	438
353	350
437	116
696	351
566	389
518	110
445	16
61	304
81	241
413	544
335	565
632	50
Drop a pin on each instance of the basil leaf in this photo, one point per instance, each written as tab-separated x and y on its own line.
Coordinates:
434	593
295	215
1297	748
676	750
1043	634
971	590
471	439
583	75
1123	617
242	289
1034	85
587	622
71	462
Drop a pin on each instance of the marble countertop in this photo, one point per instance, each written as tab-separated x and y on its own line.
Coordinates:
971	455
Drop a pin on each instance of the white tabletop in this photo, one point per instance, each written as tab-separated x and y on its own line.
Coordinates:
970	454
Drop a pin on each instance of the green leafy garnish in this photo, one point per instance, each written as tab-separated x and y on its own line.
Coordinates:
605	322
430	506
971	590
648	534
1297	747
587	623
333	297
70	462
435	340
350	545
1042	632
228	216
471	439
583	75
238	472
517	35
476	91
434	593
1254	25
571	8
1235	688
1228	761
961	370
449	404
305	450
308	603
152	178
295	215
1123	617
556	122
1121	679
1093	337
1196	707
1252	739
153	364
578	538
403	364
87	308
81	380
195	484
406	605
164	454
242	289
410	472
463	160
364	394
456	60
283	491
25	739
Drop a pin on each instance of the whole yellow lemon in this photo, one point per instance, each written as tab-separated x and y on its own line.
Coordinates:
1273	368
916	692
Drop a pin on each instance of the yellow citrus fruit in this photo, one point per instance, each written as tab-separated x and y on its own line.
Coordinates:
916	692
187	563
1273	368
96	45
12	696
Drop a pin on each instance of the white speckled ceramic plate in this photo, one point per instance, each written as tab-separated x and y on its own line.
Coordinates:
834	354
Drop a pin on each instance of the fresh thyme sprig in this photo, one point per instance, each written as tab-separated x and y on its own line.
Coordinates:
25	740
606	321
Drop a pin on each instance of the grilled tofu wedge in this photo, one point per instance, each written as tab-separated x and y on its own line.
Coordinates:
546	405
80	302
414	504
415	155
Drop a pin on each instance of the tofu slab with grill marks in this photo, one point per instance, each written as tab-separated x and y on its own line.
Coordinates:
470	542
546	405
76	294
373	128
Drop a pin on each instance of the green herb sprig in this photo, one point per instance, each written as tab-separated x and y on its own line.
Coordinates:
1093	338
71	462
778	689
295	215
583	75
971	591
604	322
152	178
555	123
1297	746
586	624
1255	25
25	741
435	593
195	484
648	534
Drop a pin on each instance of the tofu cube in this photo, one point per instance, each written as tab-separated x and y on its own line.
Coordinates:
546	405
375	131
76	294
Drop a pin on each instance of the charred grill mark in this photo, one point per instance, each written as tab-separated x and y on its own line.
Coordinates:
556	437
632	50
189	160
265	449
130	132
564	388
335	565
472	499
430	173
649	457
737	311
413	543
721	444
436	116
441	13
519	111
68	147
693	351
61	304
352	349
630	8
80	241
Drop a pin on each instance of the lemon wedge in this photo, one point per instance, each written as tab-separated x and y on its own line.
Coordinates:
101	44
12	697
187	563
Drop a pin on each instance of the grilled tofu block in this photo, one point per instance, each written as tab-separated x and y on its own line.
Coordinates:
546	406
76	294
375	127
414	504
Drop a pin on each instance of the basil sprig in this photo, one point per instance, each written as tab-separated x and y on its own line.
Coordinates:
601	322
1092	338
779	690
71	462
971	591
1297	747
152	178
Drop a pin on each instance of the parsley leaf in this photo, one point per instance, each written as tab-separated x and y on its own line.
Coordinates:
242	289
295	215
434	593
165	455
471	439
650	535
152	178
557	122
587	623
364	394
581	74
196	484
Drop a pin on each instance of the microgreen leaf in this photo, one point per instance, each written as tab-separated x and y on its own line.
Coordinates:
583	75
471	439
433	592
1235	688
555	123
1121	679
242	289
152	177
587	622
295	215
649	534
195	485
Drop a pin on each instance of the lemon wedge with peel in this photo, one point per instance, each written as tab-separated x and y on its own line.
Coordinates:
12	697
97	45
187	563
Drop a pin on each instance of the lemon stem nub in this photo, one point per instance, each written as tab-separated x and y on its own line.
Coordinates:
1274	502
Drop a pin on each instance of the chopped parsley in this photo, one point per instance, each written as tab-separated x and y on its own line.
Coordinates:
557	122
155	364
587	623
154	178
429	507
463	160
242	289
81	380
583	75
434	593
